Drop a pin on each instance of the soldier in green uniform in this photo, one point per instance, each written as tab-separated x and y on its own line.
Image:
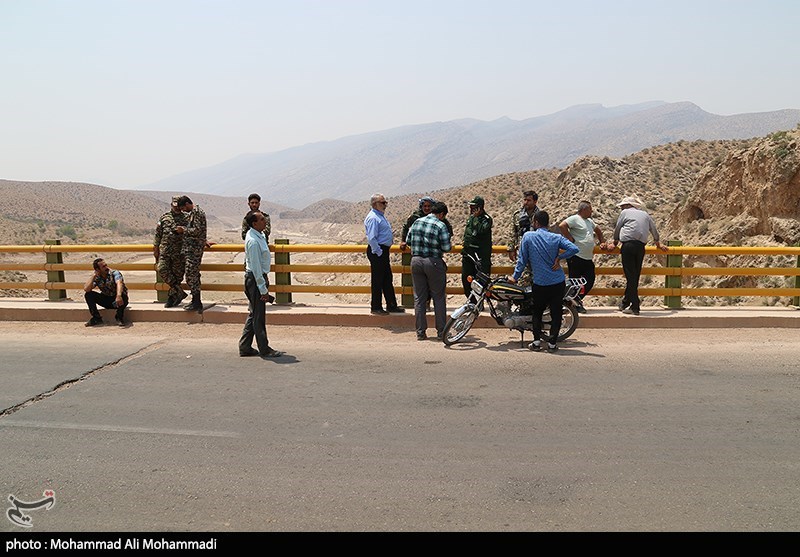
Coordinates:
477	241
195	240
521	222
167	244
254	201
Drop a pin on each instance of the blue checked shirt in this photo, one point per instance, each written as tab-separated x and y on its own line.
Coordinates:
428	237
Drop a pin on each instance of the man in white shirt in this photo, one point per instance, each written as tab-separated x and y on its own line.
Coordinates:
257	261
582	231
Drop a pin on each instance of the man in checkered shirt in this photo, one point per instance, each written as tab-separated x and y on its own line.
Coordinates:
428	239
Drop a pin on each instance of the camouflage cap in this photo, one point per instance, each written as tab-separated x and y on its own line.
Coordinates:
175	199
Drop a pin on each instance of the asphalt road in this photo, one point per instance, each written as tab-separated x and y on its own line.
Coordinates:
163	427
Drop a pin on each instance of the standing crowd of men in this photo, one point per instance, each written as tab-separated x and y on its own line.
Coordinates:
536	250
181	237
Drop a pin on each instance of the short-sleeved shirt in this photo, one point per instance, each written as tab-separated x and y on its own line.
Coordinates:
108	284
582	231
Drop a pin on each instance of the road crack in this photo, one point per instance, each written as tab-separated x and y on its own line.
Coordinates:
91	373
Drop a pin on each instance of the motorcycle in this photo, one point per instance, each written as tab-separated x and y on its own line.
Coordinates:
510	305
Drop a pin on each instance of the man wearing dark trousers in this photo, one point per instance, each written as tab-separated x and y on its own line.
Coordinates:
113	293
257	261
380	237
429	240
634	227
542	250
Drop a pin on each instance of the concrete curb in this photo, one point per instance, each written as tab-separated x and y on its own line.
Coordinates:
346	315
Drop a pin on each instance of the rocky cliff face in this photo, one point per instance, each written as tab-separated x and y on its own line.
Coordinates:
751	192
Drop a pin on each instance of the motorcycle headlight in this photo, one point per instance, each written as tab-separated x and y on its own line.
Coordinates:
477	287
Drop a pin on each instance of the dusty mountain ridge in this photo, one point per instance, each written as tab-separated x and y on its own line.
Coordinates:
452	153
724	192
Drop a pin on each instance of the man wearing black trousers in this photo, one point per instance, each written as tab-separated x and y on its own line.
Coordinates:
634	227
113	293
380	237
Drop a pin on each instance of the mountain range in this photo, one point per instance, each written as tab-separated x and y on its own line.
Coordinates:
427	157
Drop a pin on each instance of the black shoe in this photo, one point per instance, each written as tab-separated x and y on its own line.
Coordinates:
552	347
422	336
119	321
195	304
379	312
272	354
171	302
536	346
94	321
182	296
396	309
623	305
249	352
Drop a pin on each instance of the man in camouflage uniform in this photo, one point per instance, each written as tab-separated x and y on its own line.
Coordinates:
167	245
425	206
254	201
521	222
194	242
477	242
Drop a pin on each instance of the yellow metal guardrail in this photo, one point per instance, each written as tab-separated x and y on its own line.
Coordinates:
673	272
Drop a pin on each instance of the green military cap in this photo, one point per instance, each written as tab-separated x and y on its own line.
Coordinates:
477	200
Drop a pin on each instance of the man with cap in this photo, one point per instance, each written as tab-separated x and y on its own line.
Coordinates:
425	206
477	242
167	249
195	241
634	227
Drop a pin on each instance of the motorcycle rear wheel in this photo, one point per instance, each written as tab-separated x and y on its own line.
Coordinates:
458	327
569	322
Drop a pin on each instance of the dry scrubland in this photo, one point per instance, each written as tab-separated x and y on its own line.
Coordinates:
727	192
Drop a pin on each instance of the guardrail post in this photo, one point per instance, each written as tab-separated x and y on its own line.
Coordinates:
282	258
161	295
407	300
797	283
55	276
673	281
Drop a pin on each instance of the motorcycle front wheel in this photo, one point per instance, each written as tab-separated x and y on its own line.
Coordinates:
459	325
569	322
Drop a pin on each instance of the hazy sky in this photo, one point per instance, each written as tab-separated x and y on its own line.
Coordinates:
126	92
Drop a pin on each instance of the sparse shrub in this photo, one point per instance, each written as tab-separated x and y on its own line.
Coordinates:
67	230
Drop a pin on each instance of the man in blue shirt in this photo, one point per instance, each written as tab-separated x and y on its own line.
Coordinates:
541	249
257	261
429	239
379	238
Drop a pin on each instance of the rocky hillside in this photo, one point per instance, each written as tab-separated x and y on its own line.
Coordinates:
34	211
